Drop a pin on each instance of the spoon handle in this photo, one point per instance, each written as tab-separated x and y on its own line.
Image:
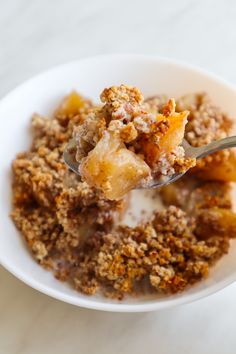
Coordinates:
213	147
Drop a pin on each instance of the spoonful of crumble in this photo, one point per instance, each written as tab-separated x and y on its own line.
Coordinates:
122	145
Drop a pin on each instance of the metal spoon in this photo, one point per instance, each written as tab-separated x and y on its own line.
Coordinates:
190	151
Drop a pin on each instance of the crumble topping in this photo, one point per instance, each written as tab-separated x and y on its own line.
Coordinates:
206	123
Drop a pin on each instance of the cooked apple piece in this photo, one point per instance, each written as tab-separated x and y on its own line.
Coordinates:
175	134
111	167
216	221
219	171
179	192
71	104
169	135
170	194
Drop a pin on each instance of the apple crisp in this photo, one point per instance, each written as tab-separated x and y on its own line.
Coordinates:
75	229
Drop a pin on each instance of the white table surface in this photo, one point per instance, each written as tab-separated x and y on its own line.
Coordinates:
38	34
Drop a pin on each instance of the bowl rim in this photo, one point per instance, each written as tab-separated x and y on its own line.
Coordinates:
89	302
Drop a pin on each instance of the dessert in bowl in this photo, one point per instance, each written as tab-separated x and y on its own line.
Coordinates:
72	228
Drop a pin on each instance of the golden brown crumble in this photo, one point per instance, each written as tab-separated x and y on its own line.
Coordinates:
206	123
117	95
155	104
71	229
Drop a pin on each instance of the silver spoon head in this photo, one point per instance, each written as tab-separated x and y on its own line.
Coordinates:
69	156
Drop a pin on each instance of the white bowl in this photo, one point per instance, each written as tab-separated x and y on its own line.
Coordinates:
89	76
